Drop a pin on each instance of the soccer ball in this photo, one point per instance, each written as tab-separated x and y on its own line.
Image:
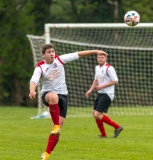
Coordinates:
132	18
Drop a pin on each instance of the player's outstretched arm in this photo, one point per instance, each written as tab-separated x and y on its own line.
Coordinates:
90	52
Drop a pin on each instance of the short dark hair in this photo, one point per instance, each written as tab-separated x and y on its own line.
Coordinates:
47	46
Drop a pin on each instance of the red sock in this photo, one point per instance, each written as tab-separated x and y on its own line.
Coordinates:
110	122
100	125
54	112
52	141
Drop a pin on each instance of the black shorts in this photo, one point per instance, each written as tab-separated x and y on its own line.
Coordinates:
63	103
102	103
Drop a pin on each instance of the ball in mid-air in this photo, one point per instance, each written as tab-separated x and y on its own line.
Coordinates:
132	18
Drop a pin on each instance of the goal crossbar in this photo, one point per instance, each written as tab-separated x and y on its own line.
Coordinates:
47	26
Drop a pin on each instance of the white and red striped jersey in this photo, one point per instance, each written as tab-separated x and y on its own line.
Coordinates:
52	76
104	74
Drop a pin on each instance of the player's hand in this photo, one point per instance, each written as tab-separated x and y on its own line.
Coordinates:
32	94
102	52
87	94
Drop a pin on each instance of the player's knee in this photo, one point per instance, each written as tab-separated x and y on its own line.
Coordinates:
52	98
93	112
97	115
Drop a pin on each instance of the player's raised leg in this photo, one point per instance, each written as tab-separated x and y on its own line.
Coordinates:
52	99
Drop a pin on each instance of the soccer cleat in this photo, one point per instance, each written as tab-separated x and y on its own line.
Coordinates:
45	156
100	136
56	130
117	131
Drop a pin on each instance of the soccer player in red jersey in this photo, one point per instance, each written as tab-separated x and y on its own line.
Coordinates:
104	82
50	71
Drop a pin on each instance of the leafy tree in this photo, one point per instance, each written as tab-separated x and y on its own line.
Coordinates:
15	52
82	11
41	14
143	7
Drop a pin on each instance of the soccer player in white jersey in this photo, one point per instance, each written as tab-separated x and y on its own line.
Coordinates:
50	71
104	82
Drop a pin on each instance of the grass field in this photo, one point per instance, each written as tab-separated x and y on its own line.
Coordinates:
24	139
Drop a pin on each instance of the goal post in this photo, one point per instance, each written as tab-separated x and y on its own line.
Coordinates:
130	52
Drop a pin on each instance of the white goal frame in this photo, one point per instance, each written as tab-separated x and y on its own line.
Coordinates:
47	37
47	26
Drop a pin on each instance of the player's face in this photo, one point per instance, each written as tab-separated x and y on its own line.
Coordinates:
101	59
49	55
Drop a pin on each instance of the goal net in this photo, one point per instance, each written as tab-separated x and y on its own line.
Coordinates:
130	51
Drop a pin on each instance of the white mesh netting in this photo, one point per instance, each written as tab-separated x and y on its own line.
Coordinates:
130	51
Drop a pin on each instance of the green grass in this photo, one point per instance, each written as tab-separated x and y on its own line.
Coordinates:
117	111
24	139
